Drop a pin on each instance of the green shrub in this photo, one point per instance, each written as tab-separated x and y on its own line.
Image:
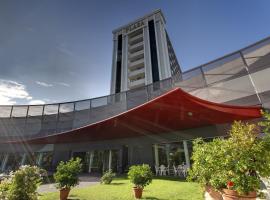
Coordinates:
239	160
107	177
66	175
207	157
4	188
140	175
23	183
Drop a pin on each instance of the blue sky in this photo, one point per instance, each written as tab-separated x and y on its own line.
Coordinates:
61	50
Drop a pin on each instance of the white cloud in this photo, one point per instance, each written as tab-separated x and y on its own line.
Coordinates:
11	90
63	84
63	49
44	84
36	101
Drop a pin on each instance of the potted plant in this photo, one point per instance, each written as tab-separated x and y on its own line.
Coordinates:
207	156
235	165
107	177
66	176
140	176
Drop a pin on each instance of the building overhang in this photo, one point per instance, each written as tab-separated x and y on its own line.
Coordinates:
173	111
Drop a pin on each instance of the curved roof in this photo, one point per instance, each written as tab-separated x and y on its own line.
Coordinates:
175	110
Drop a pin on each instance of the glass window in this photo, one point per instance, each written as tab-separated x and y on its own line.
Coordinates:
14	161
176	154
46	160
162	155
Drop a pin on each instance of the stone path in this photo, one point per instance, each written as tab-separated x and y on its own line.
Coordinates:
84	182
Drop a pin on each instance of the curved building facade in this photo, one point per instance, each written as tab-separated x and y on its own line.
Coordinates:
153	113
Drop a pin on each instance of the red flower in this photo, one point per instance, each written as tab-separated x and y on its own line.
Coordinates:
230	184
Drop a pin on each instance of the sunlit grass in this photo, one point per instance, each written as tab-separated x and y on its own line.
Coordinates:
121	189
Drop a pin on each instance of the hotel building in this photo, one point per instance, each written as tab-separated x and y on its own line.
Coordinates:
142	54
154	110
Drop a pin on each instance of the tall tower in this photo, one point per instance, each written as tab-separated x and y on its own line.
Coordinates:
142	53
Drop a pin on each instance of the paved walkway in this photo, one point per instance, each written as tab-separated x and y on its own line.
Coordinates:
84	182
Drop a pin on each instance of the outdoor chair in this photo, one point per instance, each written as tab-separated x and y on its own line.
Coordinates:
175	171
163	170
185	170
180	170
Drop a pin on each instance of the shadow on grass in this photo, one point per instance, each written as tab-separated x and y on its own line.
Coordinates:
167	178
152	198
121	177
170	178
117	183
73	197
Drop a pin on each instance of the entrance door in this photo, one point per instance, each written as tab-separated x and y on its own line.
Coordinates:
124	159
100	161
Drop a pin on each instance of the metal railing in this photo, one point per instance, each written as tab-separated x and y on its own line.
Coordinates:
25	111
227	79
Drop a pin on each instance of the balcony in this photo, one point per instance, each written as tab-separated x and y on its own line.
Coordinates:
137	83
136	47
137	64
137	55
136	73
135	39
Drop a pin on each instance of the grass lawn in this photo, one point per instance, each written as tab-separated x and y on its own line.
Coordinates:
121	189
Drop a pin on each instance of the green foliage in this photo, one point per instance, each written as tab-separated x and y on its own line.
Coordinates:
266	123
4	187
23	183
107	177
140	175
66	175
207	157
242	158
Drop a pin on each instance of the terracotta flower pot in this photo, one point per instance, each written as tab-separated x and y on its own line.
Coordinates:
64	193
233	195
137	192
212	194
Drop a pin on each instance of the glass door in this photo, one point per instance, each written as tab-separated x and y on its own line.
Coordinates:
84	160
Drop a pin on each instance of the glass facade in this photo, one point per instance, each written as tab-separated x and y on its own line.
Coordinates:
99	161
171	154
153	51
175	67
46	160
12	161
118	65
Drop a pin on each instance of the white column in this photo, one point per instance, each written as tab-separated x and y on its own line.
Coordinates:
163	57
156	155
147	55
110	160
168	153
186	153
40	155
114	57
91	161
104	162
124	73
167	66
158	47
4	163
23	159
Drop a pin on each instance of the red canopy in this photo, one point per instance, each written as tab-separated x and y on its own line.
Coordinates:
175	110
